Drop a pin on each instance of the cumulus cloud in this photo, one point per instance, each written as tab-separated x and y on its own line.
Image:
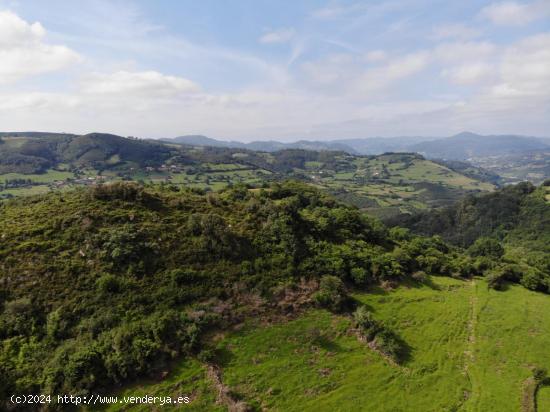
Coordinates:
525	68
455	31
512	13
376	56
467	74
146	83
282	35
395	70
24	52
464	51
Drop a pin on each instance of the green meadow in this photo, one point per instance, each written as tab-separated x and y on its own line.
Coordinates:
468	348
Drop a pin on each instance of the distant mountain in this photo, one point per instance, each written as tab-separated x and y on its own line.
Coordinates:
462	146
262	146
468	145
379	145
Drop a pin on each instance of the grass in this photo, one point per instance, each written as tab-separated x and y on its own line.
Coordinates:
543	399
314	363
469	349
188	379
513	336
49	177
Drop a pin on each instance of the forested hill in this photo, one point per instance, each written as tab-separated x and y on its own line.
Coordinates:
516	217
36	152
102	285
518	212
387	184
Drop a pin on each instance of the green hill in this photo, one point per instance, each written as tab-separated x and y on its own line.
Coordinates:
279	298
148	271
385	185
472	349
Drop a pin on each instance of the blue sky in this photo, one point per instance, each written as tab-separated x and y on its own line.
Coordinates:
276	69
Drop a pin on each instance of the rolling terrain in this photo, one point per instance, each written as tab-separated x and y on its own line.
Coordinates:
385	185
513	158
277	298
471	349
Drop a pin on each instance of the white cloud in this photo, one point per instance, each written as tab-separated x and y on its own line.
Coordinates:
455	31
395	70
469	73
38	101
525	68
349	74
512	13
464	51
23	51
145	84
376	56
282	35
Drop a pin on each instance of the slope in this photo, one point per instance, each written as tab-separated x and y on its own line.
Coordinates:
314	362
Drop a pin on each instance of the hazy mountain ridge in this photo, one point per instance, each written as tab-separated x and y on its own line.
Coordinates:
264	146
468	145
461	146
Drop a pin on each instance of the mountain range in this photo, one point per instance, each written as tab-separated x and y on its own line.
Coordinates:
462	146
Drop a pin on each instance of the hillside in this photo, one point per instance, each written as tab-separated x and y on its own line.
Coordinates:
472	349
36	152
110	285
386	185
95	282
513	158
516	216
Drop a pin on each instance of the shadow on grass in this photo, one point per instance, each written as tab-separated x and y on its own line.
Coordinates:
327	344
405	352
222	356
354	303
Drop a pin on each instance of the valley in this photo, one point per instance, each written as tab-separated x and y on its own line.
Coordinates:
384	185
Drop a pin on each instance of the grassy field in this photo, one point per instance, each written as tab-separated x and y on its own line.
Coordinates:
469	349
384	185
49	177
188	379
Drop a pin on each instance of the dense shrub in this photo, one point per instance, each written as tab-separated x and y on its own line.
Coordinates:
331	294
534	279
487	247
373	331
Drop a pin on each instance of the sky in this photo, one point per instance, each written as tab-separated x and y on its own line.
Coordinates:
280	69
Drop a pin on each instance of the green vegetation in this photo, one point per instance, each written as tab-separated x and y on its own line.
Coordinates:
470	349
134	278
507	232
217	284
385	185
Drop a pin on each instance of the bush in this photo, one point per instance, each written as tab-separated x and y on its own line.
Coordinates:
534	279
420	276
487	246
108	284
495	278
331	294
383	339
387	343
365	322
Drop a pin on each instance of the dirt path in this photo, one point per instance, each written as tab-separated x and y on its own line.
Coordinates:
223	392
469	353
529	395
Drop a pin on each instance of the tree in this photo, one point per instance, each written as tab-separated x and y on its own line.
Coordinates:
488	247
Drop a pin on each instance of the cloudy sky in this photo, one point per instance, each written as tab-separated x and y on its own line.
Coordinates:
284	69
